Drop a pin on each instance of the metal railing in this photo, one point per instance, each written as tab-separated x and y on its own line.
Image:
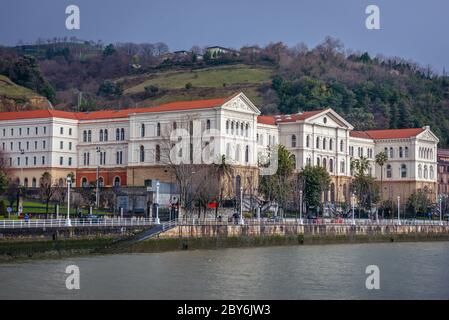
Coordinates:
60	223
146	222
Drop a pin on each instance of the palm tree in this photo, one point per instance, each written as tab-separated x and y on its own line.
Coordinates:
381	159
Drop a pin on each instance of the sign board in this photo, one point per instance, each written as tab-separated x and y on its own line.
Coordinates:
123	202
9	209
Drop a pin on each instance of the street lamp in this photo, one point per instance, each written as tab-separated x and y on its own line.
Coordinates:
300	207
241	206
399	210
69	184
22	152
157	221
441	209
353	209
97	193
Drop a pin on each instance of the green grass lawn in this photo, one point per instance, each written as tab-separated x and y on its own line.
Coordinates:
40	208
206	78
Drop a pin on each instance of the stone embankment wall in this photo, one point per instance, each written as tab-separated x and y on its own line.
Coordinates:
314	231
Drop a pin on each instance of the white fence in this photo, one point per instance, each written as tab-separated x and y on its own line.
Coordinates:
60	223
145	222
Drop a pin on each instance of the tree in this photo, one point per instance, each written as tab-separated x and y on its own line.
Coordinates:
315	180
418	203
277	187
223	172
364	185
47	190
381	159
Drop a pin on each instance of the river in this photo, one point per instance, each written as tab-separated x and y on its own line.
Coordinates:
407	271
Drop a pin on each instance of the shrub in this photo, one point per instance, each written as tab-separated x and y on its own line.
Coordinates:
189	86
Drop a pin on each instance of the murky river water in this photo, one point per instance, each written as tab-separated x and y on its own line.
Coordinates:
407	270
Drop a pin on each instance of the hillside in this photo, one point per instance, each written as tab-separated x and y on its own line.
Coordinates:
210	82
15	98
371	92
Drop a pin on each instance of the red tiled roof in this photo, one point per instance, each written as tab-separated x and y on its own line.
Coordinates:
387	134
266	120
113	114
283	118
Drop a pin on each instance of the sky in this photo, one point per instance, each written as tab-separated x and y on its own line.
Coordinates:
411	29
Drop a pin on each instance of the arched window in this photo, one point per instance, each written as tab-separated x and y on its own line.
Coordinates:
237	154
247	130
431	173
89	136
342	146
158	153
403	171
406	152
117	182
175	125
391	153
105	134
331	144
142	154
34	183
293	141
325	163
324	144
247	154
142	130
84	136
420	171
318	163
308	141
426	172
117	134
122	134
227	126
25	182
389	171
232	127
317	142
331	165
241	129
84	182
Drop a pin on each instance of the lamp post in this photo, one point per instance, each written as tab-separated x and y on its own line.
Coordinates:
441	209
69	184
157	221
97	191
399	210
241	206
300	207
22	183
353	209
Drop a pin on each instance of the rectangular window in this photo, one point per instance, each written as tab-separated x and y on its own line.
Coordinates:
12	132
34	160
4	132
43	160
61	161
28	131
18	161
45	130
61	145
35	145
20	131
61	130
26	161
28	145
43	144
36	130
70	146
70	161
70	131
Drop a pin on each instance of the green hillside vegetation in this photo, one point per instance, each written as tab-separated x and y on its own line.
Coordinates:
10	90
206	78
